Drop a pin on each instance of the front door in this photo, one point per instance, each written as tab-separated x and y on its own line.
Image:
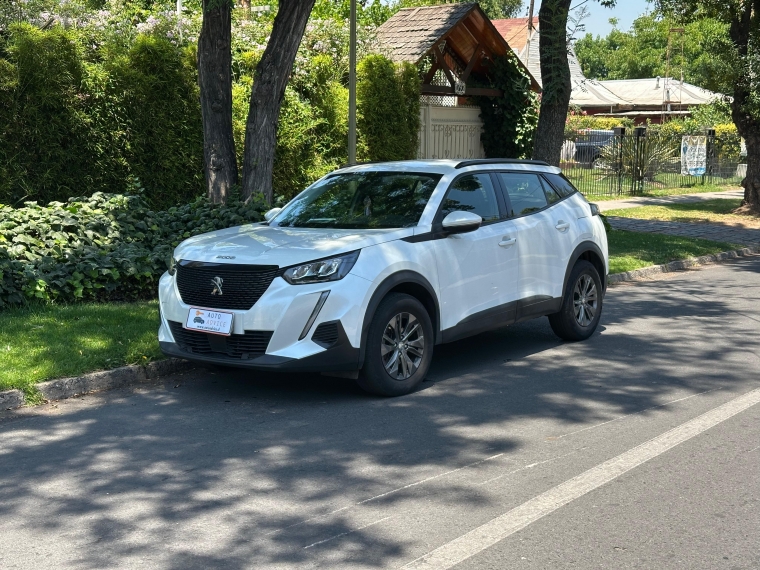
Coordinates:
477	271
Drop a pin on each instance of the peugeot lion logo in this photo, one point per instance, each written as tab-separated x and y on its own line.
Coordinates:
217	283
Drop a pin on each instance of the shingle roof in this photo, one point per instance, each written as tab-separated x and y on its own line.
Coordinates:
411	32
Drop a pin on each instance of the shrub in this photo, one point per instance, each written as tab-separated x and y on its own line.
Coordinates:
106	247
72	125
388	109
578	122
509	121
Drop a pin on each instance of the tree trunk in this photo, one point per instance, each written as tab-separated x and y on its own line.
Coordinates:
751	182
555	76
747	124
270	80
215	80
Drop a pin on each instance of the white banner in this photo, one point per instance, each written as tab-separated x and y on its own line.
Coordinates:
693	155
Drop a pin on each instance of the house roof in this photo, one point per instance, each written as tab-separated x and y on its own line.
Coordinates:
411	33
515	31
656	91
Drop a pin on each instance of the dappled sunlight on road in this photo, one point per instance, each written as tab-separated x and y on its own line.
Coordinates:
228	468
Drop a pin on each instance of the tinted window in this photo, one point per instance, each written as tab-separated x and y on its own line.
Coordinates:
526	193
561	184
474	194
361	200
551	195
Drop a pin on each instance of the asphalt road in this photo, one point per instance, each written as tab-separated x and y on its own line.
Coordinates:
639	448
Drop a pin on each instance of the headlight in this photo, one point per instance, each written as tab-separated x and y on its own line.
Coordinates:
172	265
331	269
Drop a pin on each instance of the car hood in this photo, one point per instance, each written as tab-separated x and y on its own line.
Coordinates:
263	245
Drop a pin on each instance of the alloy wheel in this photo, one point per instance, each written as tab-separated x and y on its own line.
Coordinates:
403	346
585	300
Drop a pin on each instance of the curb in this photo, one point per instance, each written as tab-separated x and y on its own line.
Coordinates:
62	388
681	265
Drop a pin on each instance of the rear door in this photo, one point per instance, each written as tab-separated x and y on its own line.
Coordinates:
477	271
545	236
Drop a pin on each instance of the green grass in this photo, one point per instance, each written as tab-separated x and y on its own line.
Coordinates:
52	341
634	250
718	211
596	190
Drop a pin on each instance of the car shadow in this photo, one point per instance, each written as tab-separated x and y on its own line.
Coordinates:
222	468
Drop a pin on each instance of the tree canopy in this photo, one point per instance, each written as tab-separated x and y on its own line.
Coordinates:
642	52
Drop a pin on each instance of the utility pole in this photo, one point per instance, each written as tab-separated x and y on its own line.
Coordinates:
352	87
530	31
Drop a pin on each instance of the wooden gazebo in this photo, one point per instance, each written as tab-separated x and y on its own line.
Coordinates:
458	39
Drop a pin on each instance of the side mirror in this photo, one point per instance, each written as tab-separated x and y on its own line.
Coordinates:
272	213
460	222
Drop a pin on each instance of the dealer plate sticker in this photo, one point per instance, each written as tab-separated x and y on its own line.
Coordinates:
209	321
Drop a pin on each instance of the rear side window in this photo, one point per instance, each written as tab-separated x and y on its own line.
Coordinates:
561	184
474	194
526	193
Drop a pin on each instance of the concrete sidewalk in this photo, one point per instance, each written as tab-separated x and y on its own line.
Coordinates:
636	201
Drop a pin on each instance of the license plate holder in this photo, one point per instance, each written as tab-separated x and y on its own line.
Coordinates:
209	321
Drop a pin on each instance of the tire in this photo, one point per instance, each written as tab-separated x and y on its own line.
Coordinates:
581	305
385	371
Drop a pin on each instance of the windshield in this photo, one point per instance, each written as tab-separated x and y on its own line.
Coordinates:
365	200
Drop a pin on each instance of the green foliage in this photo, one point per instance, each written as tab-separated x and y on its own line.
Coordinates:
371	12
509	121
74	122
578	122
643	52
106	247
641	157
388	109
494	9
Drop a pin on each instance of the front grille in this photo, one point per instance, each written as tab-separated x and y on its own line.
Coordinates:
251	344
326	334
242	285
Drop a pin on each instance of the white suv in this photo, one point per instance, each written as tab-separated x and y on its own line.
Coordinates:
369	268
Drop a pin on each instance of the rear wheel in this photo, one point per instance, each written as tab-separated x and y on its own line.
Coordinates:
581	305
399	347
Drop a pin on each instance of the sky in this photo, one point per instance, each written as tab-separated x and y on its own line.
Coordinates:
597	23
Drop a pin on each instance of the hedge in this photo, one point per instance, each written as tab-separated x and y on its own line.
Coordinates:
388	109
106	247
78	120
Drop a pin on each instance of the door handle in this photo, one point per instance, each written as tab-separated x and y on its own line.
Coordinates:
507	241
562	226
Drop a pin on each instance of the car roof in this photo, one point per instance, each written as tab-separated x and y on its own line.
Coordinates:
450	166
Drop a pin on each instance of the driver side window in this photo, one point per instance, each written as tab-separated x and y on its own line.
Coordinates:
475	194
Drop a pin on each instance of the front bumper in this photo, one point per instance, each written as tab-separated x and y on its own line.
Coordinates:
339	357
284	312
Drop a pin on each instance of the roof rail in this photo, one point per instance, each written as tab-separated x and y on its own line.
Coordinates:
500	161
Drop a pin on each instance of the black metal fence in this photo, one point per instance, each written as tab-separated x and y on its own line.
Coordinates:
637	162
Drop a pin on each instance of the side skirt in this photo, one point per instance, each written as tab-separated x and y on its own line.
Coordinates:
501	316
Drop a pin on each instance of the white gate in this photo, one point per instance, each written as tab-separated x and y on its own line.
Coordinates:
450	132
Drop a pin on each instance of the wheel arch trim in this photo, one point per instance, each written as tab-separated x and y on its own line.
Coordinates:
389	284
582	249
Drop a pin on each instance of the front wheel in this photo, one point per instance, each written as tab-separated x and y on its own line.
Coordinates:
581	305
399	347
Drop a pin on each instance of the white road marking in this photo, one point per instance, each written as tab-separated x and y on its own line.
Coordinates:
492	532
347	532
